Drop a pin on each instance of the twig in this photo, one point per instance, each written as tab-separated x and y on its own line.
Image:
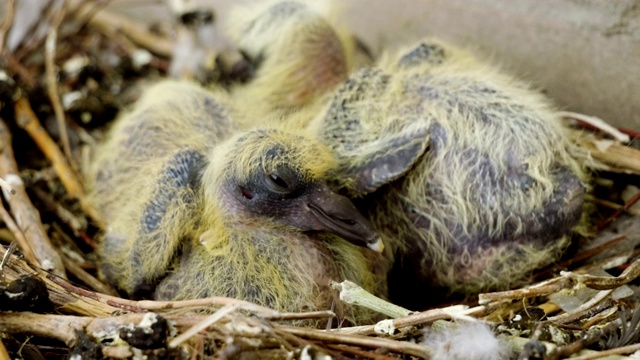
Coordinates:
614	206
87	278
358	340
355	295
301	316
52	85
601	354
596	123
604	282
8	21
210	320
613	153
19	236
16	67
587	254
617	213
580	310
584	341
360	353
66	217
26	215
110	23
26	119
4	354
425	317
4	185
544	288
5	257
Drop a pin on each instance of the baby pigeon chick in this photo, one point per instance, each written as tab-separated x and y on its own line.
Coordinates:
298	53
203	212
464	171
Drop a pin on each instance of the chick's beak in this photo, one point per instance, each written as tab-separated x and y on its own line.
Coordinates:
336	214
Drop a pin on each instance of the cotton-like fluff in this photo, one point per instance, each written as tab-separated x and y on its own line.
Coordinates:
465	341
195	208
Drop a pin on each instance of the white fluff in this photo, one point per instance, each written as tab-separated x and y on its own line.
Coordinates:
465	341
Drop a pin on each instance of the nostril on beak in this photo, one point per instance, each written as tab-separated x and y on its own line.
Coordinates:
347	221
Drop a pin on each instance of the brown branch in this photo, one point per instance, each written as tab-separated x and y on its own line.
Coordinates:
544	288
617	213
21	240
52	84
110	24
87	278
629	349
360	353
605	282
26	215
10	11
27	120
358	340
4	354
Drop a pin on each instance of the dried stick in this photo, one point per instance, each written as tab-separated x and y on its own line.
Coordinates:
26	215
358	340
360	353
72	299
617	213
27	120
87	278
8	21
544	288
596	123
210	320
110	24
601	354
52	84
4	354
604	282
613	153
21	240
614	206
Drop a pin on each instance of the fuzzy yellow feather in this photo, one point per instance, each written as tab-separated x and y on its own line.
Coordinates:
466	172
198	203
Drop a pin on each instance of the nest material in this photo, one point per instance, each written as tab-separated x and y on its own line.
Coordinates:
585	305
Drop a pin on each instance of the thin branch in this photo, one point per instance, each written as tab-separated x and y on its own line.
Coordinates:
21	240
358	340
26	215
52	84
110	24
8	21
4	354
208	321
596	123
26	119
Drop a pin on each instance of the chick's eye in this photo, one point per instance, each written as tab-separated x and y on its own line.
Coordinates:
278	184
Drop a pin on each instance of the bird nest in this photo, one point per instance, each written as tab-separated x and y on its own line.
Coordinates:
58	90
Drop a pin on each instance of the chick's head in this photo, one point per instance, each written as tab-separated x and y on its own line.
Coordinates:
282	177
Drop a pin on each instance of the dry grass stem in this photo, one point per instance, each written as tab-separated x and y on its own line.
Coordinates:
26	215
21	240
354	294
52	84
27	120
210	320
111	24
6	24
596	123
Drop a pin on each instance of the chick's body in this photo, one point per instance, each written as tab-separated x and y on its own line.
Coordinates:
466	173
195	208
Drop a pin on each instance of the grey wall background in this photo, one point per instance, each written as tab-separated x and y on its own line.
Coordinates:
585	54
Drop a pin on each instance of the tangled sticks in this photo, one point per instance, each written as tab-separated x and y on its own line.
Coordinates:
464	172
